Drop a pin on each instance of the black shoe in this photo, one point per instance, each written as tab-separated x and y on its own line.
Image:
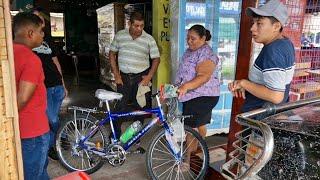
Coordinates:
138	142
52	153
140	150
65	144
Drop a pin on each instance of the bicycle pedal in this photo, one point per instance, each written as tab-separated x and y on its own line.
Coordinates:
140	150
133	152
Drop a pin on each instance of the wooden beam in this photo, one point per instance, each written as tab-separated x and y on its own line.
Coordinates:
12	87
242	67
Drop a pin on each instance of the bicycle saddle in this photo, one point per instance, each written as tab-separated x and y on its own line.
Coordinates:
105	95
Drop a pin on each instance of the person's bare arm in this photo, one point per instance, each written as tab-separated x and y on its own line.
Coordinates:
154	66
239	86
262	92
114	67
204	71
25	92
56	62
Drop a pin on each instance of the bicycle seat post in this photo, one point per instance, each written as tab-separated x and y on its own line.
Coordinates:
108	107
111	122
158	101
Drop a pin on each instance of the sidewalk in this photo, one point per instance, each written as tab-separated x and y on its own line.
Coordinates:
133	168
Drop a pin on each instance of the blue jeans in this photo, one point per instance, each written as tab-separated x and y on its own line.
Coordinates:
35	155
55	97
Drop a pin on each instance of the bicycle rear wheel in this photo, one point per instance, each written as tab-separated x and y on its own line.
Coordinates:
71	155
161	163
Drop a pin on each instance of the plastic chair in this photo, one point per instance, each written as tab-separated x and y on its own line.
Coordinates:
77	175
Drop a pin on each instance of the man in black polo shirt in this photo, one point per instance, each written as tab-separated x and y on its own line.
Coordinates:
54	83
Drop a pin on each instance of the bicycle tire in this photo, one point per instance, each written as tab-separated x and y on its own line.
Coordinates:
65	144
160	139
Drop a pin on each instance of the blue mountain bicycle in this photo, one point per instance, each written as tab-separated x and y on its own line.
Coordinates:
83	142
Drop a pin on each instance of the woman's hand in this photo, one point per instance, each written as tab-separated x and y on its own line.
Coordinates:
182	90
65	91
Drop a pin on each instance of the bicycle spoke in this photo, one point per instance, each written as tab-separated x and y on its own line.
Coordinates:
83	159
89	158
166	148
189	145
177	174
160	159
76	130
163	151
164	171
193	169
190	173
72	129
171	171
71	136
86	127
162	164
182	175
69	131
195	164
160	167
82	125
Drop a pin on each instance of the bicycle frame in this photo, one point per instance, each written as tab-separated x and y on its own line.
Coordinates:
111	117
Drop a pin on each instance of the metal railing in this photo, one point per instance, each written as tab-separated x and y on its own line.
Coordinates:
255	143
253	148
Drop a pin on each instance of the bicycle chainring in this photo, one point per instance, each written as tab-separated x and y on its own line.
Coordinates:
116	155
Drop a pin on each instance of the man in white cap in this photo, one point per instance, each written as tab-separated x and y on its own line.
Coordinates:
270	77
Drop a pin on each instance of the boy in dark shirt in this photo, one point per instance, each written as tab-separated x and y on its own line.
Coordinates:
270	76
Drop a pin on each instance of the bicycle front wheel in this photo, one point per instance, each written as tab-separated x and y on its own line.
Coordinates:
72	156
162	164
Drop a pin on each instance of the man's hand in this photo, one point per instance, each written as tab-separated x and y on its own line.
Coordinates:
236	89
65	91
118	79
145	80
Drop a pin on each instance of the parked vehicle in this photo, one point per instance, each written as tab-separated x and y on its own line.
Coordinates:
283	144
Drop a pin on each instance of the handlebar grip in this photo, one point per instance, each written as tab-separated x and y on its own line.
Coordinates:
187	116
183	116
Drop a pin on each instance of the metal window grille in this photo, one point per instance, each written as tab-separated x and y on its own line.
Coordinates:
305	32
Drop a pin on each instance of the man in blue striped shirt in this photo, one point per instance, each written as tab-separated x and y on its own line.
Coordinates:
129	58
272	72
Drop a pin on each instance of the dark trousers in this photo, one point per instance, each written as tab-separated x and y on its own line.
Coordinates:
128	102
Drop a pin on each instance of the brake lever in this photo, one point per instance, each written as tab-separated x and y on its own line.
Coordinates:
155	94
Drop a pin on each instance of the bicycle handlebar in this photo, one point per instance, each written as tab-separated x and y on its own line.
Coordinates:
183	116
155	94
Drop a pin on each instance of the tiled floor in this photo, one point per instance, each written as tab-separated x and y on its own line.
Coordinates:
134	167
